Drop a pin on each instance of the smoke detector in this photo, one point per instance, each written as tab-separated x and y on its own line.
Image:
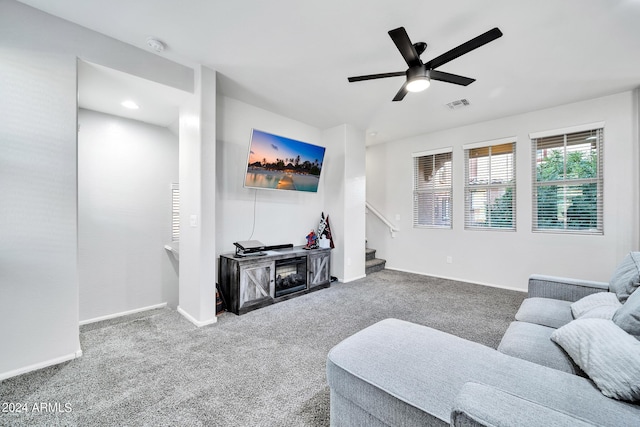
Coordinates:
155	44
456	105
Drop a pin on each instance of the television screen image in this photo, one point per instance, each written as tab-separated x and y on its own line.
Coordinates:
280	163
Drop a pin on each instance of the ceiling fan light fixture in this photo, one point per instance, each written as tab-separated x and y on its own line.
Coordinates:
419	74
418	84
418	79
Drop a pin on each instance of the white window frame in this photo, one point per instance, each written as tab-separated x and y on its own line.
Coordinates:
565	183
490	186
436	189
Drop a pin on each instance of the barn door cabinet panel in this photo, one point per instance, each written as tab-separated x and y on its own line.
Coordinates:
319	271
256	284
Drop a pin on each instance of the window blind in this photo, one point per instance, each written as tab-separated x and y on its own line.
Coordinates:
432	190
490	187
175	212
568	182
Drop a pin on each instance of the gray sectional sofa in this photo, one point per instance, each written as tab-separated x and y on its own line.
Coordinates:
571	358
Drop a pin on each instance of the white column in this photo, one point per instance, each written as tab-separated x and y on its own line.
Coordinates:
345	181
197	201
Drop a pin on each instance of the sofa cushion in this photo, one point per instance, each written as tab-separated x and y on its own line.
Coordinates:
601	305
545	311
626	277
606	353
628	315
480	405
533	343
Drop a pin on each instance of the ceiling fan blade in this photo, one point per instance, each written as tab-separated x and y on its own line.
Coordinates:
376	76
450	78
467	47
404	45
401	93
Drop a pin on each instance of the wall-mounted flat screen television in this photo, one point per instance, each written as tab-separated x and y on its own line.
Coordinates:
280	163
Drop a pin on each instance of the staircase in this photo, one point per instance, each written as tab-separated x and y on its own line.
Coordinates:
373	264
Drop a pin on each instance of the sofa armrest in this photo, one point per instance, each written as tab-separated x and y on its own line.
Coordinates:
479	405
563	288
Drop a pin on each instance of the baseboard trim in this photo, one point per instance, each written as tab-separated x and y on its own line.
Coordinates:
123	313
457	279
353	279
191	319
41	365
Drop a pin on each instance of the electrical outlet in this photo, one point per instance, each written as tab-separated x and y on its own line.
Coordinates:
449	260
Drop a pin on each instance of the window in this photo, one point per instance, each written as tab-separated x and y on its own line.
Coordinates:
432	189
175	213
567	181
490	185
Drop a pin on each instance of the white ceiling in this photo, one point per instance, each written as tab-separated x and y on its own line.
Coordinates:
104	89
293	57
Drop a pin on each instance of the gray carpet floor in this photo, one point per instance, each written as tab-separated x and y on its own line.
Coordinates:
265	368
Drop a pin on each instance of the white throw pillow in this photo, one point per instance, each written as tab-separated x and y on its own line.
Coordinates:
601	305
606	353
626	277
605	312
628	315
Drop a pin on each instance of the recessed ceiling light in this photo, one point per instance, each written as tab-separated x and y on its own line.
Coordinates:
130	104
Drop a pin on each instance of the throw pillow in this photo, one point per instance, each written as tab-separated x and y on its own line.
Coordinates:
628	315
606	353
626	278
605	312
600	305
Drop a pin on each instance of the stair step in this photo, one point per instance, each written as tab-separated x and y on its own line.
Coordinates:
373	265
369	254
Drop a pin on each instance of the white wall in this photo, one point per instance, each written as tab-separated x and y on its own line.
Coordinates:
125	171
288	216
39	310
280	216
345	202
506	259
335	172
38	282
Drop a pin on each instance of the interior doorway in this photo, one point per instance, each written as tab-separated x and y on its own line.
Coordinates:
127	167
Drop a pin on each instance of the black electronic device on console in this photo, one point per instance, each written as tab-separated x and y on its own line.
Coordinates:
256	248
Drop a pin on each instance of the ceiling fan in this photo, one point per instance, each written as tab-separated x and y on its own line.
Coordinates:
419	74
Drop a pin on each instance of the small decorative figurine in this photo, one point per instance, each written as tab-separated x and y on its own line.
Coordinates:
312	240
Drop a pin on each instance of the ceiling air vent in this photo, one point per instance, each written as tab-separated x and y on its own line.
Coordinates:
456	105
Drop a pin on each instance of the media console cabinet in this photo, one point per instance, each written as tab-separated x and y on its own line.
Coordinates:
255	281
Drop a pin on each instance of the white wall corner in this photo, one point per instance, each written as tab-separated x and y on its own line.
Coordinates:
196	322
353	279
